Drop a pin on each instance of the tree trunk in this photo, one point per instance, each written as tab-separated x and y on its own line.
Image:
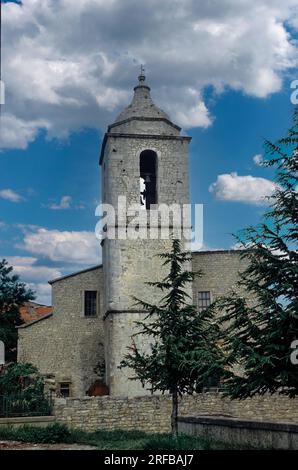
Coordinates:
174	415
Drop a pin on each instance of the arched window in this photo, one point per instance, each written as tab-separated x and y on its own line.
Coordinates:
148	178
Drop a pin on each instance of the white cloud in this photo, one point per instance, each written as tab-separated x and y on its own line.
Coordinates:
34	275
65	203
43	292
250	189
193	112
29	272
16	132
258	159
80	206
240	246
10	195
65	246
21	260
69	65
72	250
247	245
198	246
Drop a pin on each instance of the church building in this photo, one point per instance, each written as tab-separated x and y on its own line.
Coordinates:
79	345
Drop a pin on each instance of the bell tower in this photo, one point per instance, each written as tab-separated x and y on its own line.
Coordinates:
144	158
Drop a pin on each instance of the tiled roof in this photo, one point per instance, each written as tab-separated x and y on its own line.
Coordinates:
141	105
32	311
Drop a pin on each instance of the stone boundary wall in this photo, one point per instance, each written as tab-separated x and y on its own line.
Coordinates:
152	413
255	434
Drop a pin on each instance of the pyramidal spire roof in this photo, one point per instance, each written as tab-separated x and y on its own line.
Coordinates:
142	118
142	105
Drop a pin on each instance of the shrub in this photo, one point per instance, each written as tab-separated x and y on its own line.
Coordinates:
21	378
7	433
51	434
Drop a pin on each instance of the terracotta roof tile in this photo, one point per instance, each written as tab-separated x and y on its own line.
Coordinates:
32	311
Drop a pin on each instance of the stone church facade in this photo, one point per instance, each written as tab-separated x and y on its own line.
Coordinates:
80	345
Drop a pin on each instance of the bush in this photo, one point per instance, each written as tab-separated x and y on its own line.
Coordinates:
112	440
51	434
22	391
7	433
21	378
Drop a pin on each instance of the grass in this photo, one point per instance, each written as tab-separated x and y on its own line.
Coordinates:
109	440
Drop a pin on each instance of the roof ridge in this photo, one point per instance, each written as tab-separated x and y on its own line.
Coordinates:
75	273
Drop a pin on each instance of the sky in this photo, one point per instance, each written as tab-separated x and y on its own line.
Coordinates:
221	69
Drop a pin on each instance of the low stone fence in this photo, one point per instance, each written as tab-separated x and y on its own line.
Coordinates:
254	434
152	413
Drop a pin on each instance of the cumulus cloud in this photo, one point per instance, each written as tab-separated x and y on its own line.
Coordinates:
69	65
258	159
80	248
65	203
34	275
250	189
28	271
10	195
54	253
198	246
16	132
43	292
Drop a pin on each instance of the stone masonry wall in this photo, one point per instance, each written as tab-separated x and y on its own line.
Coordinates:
152	413
121	170
219	271
220	274
67	344
129	264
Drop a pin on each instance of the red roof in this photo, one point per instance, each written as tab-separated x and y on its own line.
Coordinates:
32	311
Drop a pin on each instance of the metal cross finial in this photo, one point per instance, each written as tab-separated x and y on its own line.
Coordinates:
142	69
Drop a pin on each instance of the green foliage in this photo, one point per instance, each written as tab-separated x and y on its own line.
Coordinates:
111	440
13	294
51	434
21	378
260	331
184	353
22	392
181	442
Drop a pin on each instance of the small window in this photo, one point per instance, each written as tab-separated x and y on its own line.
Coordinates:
90	303
204	300
64	389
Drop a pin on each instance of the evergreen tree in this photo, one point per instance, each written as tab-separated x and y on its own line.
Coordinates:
13	294
261	331
183	353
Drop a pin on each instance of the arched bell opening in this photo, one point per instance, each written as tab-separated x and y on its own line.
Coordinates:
148	178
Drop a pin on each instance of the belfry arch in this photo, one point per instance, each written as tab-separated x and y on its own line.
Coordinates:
148	178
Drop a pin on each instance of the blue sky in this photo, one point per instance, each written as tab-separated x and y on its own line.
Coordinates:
59	103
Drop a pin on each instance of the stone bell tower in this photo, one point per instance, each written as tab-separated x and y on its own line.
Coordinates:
145	159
